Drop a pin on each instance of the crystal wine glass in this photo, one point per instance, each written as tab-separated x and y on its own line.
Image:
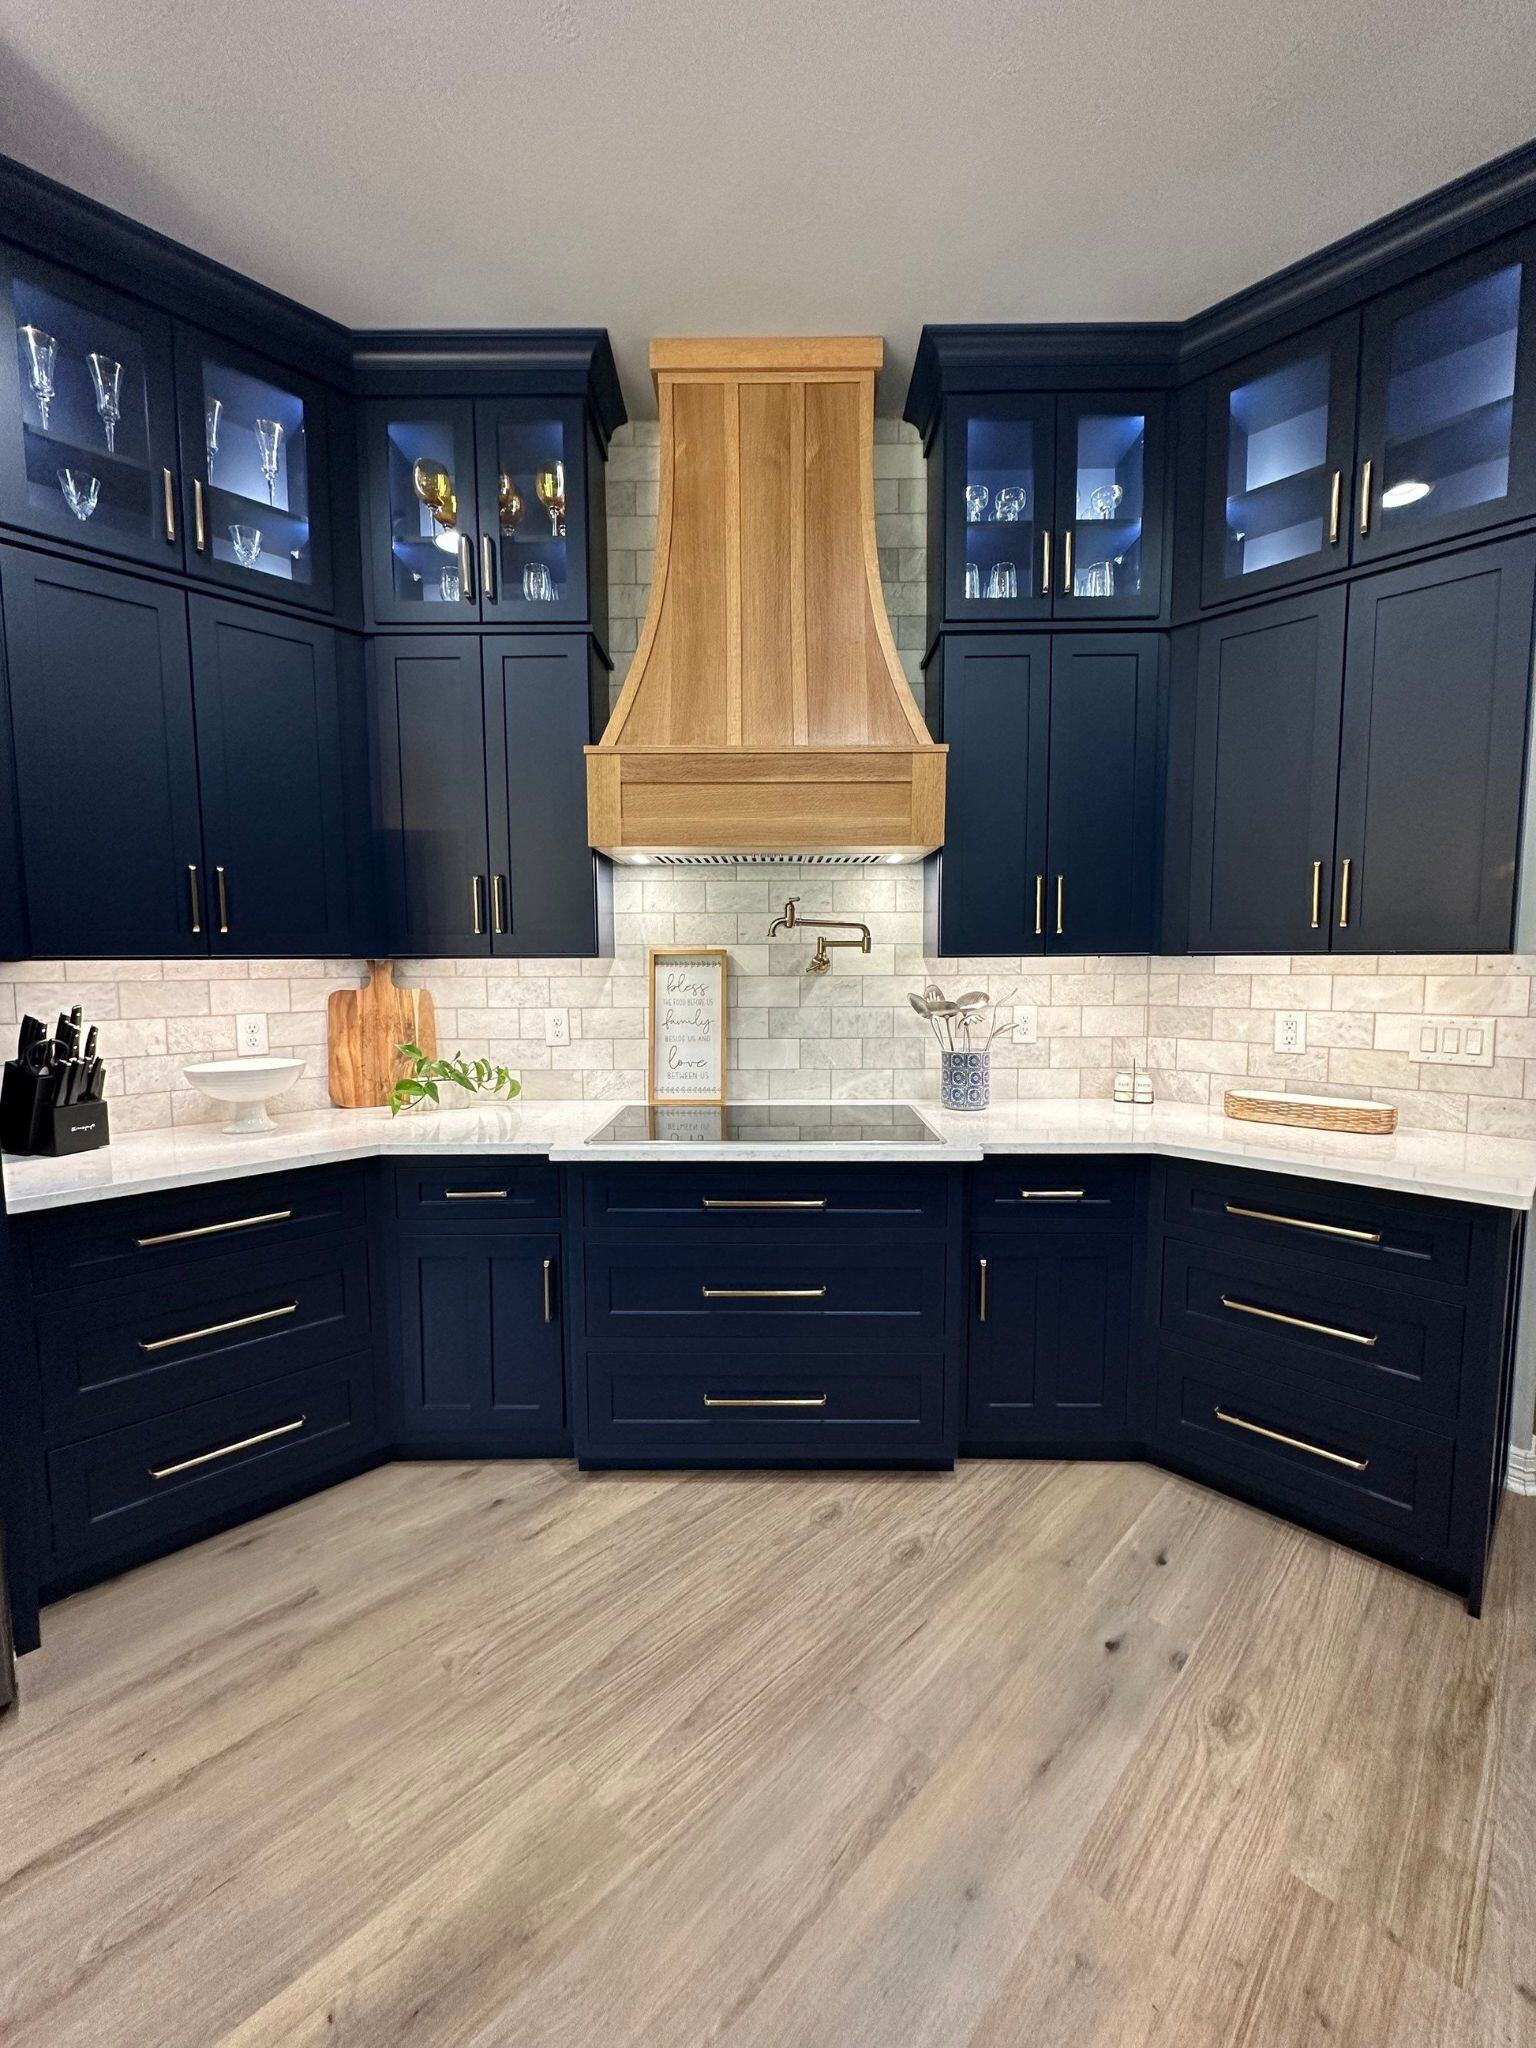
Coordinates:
246	542
107	381
1008	507
1106	500
80	492
269	441
550	485
41	350
509	503
212	413
976	497
434	487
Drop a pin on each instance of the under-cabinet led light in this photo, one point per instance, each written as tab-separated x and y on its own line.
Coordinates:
1408	493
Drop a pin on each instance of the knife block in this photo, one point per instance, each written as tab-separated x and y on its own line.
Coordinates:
29	1122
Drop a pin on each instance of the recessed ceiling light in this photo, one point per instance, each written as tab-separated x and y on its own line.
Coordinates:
1408	493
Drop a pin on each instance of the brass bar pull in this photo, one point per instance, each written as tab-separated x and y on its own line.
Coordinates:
763	1293
1066	563
1335	508
1365	497
474	1194
1301	1223
1039	906
981	1290
246	1443
1061	893
1273	1315
1317	894
214	1229
765	1400
264	1315
218	875
487	568
466	569
199	516
1045	564
1296	1443
498	903
477	904
1052	1194
549	1290
794	1202
197	901
168	486
1344	867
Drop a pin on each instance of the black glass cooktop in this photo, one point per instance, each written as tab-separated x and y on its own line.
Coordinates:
768	1123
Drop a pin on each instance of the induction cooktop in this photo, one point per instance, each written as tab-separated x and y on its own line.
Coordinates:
768	1123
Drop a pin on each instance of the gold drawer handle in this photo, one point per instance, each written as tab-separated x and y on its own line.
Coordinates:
730	1202
549	1290
765	1400
214	1229
762	1293
981	1290
474	1194
1052	1194
1273	1315
246	1443
265	1315
1296	1443
1301	1223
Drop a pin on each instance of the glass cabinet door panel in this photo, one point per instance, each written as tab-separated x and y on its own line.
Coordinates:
1110	510
430	493
88	424
533	516
1000	487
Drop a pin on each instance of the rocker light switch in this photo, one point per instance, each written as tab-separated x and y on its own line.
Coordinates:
1453	1042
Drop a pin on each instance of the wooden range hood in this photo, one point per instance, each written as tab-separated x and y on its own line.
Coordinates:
765	714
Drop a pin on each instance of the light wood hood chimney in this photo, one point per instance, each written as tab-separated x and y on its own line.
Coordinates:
765	712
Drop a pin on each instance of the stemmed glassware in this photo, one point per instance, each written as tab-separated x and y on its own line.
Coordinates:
1106	500
41	351
246	542
107	381
434	487
1008	506
976	500
80	492
269	441
212	413
550	485
509	503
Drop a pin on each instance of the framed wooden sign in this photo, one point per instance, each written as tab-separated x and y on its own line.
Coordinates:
686	1024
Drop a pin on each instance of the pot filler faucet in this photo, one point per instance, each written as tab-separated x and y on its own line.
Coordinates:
820	961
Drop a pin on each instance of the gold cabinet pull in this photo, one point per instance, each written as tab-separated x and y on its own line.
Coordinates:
1039	906
549	1290
1273	1315
763	1293
1061	894
474	1194
168	487
1066	563
246	1443
1365	497
487	568
214	1229
498	903
765	1400
1302	1223
466	569
1317	894
199	516
1344	867
477	904
759	1202
264	1315
1335	508
1296	1443
1052	1194
981	1290
223	888
1045	563
196	896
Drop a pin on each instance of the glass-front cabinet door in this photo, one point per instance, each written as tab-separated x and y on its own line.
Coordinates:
532	511
1279	463
423	540
1109	515
253	454
1448	403
87	417
999	469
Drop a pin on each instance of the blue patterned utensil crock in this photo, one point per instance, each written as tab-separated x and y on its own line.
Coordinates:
966	1081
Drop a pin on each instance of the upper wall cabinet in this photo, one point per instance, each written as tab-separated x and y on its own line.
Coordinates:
87	415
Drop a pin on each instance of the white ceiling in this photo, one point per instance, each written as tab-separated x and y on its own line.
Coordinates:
656	166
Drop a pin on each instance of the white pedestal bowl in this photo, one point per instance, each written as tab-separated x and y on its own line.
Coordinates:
248	1085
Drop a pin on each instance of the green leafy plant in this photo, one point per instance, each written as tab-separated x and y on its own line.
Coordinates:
420	1081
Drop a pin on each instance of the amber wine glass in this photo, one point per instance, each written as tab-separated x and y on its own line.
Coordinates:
509	503
434	486
550	485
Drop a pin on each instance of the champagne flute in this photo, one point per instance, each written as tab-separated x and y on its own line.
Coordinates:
269	440
107	381
41	350
212	413
550	485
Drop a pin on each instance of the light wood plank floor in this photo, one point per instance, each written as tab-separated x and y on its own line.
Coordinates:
495	1755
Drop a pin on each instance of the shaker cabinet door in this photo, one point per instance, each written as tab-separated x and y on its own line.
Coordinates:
431	717
1102	832
480	1341
1050	1338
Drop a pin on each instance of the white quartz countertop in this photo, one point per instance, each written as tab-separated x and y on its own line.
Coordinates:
1500	1172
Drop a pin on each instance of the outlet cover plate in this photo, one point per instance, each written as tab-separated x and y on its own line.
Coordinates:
1026	1024
557	1027
251	1033
1290	1031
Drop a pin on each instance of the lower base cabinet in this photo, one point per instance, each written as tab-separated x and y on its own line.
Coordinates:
1049	1354
479	1363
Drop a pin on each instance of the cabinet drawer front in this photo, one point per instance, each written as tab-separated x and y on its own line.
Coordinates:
1400	1237
829	1297
120	1240
777	1198
469	1196
1042	1192
1371	1472
1360	1338
152	1479
115	1353
638	1405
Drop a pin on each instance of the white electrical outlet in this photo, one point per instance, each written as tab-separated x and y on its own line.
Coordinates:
1451	1041
251	1034
1026	1024
557	1027
1290	1031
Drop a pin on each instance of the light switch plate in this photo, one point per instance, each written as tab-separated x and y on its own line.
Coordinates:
557	1027
1451	1041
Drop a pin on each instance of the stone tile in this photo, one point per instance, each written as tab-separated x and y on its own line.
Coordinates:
1476	995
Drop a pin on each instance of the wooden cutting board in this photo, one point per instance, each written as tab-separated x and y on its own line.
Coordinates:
364	1025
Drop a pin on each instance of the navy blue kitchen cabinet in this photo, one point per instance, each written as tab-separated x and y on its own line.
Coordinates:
540	547
1051	839
419	465
1049	1354
13	903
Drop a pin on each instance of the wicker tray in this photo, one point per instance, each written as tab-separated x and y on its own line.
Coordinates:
1312	1112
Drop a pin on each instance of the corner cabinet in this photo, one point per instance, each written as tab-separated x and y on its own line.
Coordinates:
480	1360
